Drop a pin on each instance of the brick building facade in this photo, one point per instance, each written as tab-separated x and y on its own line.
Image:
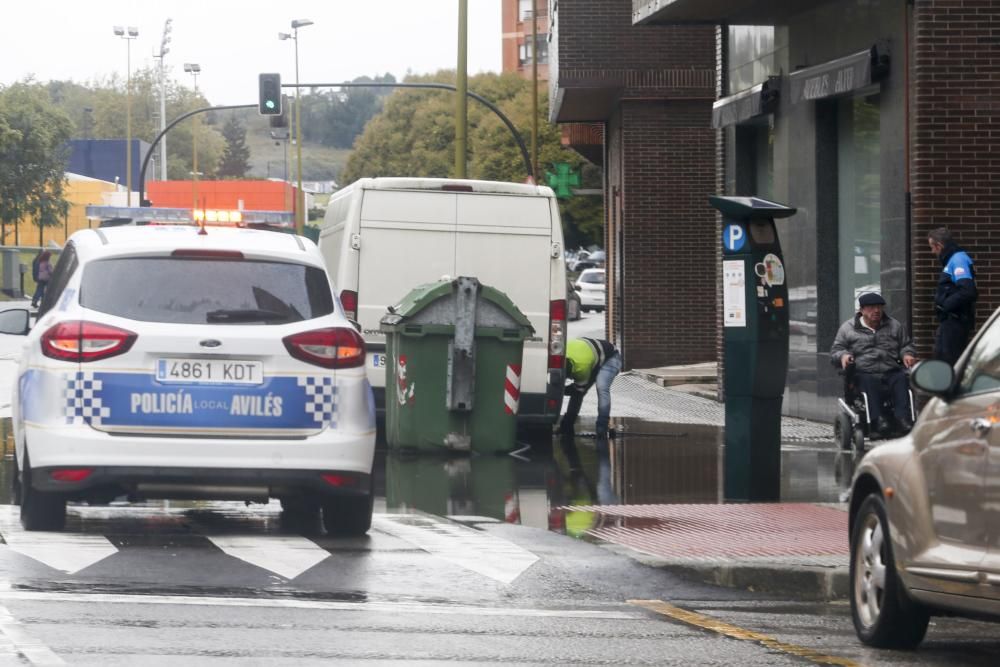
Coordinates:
877	120
518	34
651	89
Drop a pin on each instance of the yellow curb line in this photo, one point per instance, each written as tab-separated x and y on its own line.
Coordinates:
736	632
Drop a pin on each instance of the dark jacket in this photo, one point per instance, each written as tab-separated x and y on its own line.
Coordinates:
877	352
956	289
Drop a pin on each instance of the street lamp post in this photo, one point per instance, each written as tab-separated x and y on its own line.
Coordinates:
194	69
128	34
300	206
164	50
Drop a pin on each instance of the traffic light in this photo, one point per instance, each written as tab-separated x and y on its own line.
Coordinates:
269	103
281	120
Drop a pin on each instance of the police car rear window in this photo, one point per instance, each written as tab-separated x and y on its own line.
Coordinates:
205	291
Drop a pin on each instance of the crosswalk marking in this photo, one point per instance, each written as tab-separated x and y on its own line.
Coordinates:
288	556
69	552
472	549
380	606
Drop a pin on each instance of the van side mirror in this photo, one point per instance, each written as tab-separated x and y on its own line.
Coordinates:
933	376
15	322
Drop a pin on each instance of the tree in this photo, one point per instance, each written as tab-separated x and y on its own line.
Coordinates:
33	156
235	162
414	135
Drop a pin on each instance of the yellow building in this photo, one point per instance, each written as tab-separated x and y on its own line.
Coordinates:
80	191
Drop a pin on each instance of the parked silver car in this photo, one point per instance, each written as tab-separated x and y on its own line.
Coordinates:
925	509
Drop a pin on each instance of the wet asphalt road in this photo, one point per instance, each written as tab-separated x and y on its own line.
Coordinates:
444	575
200	583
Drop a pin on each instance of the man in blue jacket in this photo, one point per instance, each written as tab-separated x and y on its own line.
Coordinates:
955	299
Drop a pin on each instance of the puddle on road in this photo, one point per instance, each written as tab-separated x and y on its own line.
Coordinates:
646	463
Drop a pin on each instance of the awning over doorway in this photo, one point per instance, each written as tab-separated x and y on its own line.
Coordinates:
746	104
840	76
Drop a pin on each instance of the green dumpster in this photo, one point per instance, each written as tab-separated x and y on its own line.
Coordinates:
453	371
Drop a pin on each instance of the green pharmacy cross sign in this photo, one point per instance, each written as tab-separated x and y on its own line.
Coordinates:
563	180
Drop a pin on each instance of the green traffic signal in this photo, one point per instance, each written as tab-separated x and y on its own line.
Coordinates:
269	101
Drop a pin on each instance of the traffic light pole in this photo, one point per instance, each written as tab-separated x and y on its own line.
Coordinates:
163	132
439	86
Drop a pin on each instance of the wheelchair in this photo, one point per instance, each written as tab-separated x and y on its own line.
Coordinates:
852	426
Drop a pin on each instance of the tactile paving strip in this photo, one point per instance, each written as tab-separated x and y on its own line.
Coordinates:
723	532
634	396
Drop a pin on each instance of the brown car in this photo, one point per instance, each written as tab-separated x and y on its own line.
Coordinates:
925	509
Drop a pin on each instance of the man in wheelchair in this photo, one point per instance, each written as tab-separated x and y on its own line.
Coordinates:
879	348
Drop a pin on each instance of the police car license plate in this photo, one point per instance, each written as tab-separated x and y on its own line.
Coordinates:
210	371
378	361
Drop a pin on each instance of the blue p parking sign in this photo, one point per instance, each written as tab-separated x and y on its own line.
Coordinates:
733	238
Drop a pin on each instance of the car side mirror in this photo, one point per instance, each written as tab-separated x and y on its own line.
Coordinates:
933	376
15	322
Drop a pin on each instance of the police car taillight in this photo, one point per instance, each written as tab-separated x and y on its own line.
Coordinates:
329	348
85	341
349	300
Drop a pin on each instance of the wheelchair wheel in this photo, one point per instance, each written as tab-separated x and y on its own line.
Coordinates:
858	440
842	431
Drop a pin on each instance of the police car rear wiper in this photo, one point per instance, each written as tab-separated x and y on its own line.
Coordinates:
245	315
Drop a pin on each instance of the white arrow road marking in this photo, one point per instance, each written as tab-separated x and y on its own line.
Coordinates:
69	552
288	556
472	549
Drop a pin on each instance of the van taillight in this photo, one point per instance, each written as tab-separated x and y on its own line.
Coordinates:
349	300
557	333
329	348
85	341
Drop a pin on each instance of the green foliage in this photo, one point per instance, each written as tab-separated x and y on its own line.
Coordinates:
235	162
336	117
414	135
33	133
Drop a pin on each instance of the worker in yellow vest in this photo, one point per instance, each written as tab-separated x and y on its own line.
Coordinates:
590	361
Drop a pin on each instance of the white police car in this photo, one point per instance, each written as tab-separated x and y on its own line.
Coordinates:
169	362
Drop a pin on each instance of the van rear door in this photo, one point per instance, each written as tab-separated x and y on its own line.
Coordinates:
407	239
505	241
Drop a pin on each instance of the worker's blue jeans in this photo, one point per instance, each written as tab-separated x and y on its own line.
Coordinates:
605	376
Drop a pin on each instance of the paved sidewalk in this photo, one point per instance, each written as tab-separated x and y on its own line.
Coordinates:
796	549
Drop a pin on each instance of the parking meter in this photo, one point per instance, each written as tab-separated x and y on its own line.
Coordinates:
755	336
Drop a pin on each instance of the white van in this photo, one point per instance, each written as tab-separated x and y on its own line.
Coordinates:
384	236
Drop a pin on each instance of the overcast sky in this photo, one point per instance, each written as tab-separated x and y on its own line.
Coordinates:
235	40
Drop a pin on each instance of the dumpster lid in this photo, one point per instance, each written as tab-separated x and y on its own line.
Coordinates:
422	296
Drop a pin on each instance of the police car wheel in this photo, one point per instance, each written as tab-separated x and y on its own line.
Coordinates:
40	510
348	516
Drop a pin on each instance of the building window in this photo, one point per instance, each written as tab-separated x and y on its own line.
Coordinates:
859	182
524	51
524	8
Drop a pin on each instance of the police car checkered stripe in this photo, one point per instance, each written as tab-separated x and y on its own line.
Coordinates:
321	399
82	406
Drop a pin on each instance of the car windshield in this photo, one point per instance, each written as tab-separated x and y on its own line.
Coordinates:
595	278
200	291
982	371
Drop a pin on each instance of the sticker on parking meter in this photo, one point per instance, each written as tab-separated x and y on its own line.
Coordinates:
734	298
774	270
734	237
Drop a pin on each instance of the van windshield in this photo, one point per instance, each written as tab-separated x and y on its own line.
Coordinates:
200	291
